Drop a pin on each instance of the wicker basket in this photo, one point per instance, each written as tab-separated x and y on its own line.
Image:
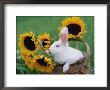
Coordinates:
80	67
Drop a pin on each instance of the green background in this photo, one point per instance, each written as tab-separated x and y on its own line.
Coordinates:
51	24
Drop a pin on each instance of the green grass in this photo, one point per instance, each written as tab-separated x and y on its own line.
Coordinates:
50	24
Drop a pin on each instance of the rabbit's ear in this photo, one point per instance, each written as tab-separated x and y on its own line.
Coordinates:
64	35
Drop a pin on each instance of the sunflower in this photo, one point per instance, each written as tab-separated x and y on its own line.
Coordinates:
76	27
44	64
28	43
28	60
45	40
39	62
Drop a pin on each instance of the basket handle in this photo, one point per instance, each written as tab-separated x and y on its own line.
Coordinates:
85	68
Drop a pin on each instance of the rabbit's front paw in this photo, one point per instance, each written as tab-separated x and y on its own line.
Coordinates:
65	67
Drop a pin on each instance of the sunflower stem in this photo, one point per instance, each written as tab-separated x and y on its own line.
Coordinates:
75	44
40	43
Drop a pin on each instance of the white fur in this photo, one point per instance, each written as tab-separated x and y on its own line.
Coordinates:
64	30
65	54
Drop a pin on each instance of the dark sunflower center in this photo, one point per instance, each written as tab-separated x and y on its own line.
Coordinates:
43	43
29	44
74	29
42	62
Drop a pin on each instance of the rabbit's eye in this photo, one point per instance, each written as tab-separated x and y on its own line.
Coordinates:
57	46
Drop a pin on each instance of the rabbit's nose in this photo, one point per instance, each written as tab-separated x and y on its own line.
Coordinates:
49	50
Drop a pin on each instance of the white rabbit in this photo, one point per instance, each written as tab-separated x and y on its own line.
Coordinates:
62	53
